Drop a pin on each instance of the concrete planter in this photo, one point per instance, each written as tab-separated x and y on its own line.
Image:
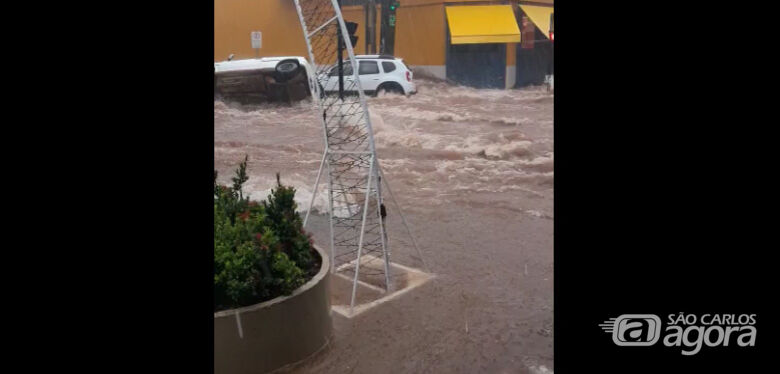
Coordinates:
263	337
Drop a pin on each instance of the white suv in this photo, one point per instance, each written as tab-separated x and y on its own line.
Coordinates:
376	73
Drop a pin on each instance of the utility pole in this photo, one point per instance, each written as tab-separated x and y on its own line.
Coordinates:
340	56
370	11
383	30
387	37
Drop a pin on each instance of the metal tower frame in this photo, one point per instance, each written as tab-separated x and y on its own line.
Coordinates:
355	224
355	201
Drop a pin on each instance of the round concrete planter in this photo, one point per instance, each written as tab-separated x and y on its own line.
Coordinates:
263	337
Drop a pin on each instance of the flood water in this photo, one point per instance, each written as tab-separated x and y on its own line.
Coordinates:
472	170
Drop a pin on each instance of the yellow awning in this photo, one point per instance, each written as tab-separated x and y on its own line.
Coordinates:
482	24
540	16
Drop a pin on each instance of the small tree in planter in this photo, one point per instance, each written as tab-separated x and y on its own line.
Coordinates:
280	209
260	250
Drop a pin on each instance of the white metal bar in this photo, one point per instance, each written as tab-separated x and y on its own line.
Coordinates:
352	152
316	185
355	76
403	220
360	241
315	93
314	88
321	26
385	249
330	213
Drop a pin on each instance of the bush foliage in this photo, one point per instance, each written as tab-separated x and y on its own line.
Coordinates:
260	250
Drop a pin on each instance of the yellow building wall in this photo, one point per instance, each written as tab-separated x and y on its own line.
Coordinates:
420	35
234	20
420	39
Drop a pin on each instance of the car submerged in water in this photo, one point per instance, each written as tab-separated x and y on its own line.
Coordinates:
289	78
377	73
284	79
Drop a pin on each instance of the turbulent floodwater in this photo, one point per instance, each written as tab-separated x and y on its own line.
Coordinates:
473	171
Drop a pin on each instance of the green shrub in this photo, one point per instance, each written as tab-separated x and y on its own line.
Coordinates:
286	223
260	250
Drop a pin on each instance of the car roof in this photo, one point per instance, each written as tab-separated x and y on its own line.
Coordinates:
380	57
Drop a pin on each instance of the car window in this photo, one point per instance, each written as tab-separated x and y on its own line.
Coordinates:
334	72
388	66
368	67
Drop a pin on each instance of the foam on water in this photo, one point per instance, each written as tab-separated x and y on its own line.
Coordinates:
540	370
444	140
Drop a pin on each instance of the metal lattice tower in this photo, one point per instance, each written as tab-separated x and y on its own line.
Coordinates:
357	232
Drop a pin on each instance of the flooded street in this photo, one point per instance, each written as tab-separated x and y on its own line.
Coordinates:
473	172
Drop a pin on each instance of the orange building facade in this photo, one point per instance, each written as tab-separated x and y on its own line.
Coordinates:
421	32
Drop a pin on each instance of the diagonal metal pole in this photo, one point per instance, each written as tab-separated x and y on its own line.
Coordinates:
362	231
314	88
316	185
382	235
315	94
361	94
403	220
340	56
330	212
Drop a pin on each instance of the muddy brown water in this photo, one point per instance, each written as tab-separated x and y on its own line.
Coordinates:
473	172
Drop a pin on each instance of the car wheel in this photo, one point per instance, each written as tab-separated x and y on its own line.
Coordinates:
287	69
389	87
